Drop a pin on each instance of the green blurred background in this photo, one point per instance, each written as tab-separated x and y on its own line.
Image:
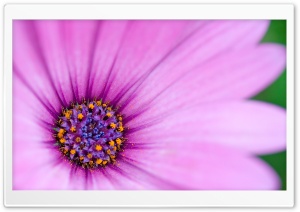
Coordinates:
276	94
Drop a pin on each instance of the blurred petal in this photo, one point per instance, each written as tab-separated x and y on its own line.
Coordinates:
253	127
144	44
233	75
203	166
29	66
200	46
33	161
67	48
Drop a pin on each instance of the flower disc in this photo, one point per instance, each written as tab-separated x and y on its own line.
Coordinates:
89	134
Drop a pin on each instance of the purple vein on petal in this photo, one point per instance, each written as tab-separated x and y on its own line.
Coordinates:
36	42
75	96
139	146
86	178
147	105
46	125
91	58
110	178
48	106
73	172
143	77
77	174
138	83
108	81
146	75
104	91
146	125
164	185
123	173
49	144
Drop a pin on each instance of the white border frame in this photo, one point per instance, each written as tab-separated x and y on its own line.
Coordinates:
13	198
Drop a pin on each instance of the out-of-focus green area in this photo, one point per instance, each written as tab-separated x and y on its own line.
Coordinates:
276	94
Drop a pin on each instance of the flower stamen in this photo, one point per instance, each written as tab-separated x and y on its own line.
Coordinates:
90	134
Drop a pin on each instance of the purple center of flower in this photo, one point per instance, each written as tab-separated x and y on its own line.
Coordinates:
90	134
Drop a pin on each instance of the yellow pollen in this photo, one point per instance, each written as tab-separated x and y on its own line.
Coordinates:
91	162
60	135
73	129
62	140
81	158
108	115
80	116
98	103
104	105
120	118
91	106
119	141
109	108
73	151
104	162
68	114
115	148
98	161
113	125
89	155
120	129
98	147
108	151
62	131
112	156
78	139
111	143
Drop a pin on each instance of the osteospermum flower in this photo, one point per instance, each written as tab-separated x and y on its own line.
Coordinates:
144	105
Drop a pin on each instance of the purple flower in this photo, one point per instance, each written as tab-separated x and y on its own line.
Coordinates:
144	105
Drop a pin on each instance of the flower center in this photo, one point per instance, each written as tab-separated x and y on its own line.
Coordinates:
90	134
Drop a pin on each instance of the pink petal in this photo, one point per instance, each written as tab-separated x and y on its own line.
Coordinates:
232	75
29	66
76	58
198	47
67	47
33	159
60	56
83	58
90	48
204	166
253	127
144	44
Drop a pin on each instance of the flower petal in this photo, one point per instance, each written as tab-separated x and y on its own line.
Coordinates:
62	56
29	65
253	127
34	158
71	56
144	44
204	166
66	47
200	46
232	75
